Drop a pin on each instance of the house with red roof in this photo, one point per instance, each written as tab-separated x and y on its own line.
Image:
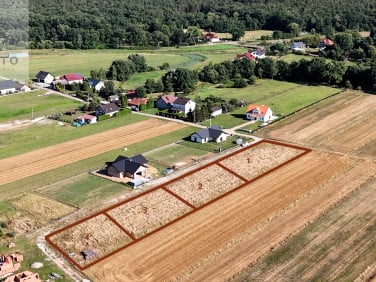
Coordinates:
326	43
211	37
73	78
259	113
247	56
10	263
166	101
137	102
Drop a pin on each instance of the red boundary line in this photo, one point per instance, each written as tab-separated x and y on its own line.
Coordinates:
232	172
129	234
162	186
179	198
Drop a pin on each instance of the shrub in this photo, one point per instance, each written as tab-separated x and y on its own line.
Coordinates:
4	224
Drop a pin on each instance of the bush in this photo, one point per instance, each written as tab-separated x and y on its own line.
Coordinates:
4	224
103	117
11	234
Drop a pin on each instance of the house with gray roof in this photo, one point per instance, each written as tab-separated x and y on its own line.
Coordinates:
107	109
7	86
45	77
214	133
132	167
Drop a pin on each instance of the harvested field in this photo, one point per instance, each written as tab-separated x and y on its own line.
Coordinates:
221	239
204	185
41	208
339	246
148	212
52	157
343	123
259	159
98	233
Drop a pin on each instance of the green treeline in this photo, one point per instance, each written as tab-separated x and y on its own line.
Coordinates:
83	24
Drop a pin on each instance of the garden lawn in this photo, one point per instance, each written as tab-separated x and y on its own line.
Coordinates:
69	172
212	147
33	104
18	141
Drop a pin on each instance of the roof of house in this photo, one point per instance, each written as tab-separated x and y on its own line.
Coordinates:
262	109
181	101
212	132
73	76
93	82
138	101
109	108
215	108
297	45
7	84
247	55
125	164
327	42
87	116
169	99
210	35
42	74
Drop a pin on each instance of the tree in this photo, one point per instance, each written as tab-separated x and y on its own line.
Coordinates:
180	80
139	62
141	92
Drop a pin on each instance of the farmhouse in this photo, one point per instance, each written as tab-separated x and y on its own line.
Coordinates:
73	78
132	167
211	37
326	43
215	111
107	109
7	86
137	102
10	263
26	276
259	113
298	46
96	84
175	104
247	56
45	77
86	118
213	133
22	87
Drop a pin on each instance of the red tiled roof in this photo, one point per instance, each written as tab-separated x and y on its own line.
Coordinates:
73	76
262	109
169	99
327	42
210	35
138	101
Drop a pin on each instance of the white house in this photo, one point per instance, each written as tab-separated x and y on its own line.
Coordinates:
132	167
96	84
86	118
107	109
183	104
22	87
258	54
45	77
73	78
213	133
259	113
216	111
7	86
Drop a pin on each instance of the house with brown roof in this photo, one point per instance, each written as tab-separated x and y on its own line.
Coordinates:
166	101
211	37
107	109
247	55
184	105
326	43
215	111
137	102
132	167
259	113
26	276
10	263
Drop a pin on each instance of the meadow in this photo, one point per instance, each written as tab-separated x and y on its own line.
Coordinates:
33	104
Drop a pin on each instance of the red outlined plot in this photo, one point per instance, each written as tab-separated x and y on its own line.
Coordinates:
149	212
136	218
204	185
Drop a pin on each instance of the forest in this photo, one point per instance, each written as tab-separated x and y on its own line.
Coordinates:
83	24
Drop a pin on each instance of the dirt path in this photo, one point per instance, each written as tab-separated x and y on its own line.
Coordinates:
220	240
28	164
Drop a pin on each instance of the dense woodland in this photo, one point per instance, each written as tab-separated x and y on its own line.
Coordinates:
84	24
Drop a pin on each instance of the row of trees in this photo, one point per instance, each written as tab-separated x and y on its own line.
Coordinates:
85	24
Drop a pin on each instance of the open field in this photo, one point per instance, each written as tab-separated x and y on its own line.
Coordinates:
213	243
34	104
142	216
338	246
28	164
343	123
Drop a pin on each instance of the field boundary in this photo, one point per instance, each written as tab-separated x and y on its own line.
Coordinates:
164	187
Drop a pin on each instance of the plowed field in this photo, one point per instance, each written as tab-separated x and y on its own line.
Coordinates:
52	157
221	239
344	123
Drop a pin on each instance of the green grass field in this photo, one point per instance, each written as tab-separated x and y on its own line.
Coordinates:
33	104
37	136
36	182
284	98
